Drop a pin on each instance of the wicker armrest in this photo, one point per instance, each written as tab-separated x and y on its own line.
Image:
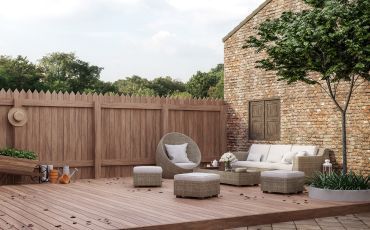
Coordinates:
308	164
241	155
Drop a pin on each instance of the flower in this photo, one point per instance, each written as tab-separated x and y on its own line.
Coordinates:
228	157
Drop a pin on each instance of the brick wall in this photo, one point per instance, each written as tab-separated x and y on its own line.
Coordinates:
308	116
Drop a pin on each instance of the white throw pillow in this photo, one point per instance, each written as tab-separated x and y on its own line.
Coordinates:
254	156
288	157
177	153
301	154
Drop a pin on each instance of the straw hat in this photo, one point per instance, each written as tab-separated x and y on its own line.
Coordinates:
17	116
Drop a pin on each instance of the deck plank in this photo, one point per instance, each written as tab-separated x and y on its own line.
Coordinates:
115	203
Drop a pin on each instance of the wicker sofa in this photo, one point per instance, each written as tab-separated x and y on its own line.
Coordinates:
272	156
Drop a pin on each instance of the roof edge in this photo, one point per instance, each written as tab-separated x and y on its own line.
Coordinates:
265	3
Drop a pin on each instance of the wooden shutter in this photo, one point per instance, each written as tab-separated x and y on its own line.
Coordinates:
272	120
256	120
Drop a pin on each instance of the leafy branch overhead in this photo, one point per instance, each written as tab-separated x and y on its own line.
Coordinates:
331	38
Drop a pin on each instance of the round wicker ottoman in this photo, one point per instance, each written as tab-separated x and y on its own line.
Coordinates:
282	181
197	185
147	176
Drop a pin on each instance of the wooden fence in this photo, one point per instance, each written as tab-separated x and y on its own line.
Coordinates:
105	136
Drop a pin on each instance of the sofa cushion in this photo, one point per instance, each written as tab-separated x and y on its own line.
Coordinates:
288	157
260	148
254	156
261	165
310	149
276	153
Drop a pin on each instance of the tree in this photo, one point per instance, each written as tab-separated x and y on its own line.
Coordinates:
200	83
65	72
182	95
134	85
330	39
19	73
218	90
166	86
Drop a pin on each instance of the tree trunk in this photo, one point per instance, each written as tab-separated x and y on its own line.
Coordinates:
344	143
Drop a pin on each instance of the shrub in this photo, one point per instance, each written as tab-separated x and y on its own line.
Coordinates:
9	152
340	181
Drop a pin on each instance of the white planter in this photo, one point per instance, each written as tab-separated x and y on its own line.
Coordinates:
339	195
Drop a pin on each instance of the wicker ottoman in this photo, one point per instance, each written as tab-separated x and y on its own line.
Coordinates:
147	176
282	181
198	185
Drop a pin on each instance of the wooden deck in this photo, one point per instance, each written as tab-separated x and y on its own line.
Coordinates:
115	204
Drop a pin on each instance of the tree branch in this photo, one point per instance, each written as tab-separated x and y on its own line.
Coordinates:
332	96
336	84
353	81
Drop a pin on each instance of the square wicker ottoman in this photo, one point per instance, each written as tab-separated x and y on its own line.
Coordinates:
147	176
282	181
197	185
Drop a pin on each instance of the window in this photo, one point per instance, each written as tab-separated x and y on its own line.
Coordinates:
264	120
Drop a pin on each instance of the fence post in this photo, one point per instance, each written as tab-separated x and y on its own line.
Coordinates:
97	137
223	118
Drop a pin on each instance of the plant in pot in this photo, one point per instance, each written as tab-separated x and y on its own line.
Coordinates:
340	187
16	161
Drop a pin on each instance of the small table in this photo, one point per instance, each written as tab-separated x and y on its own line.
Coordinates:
250	177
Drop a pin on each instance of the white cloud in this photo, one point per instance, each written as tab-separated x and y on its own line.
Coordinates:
161	37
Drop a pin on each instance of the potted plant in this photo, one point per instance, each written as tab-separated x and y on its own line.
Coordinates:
340	187
14	161
228	158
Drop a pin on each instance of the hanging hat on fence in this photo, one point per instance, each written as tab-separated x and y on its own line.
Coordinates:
17	116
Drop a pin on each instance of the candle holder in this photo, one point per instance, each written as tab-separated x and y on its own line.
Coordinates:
327	167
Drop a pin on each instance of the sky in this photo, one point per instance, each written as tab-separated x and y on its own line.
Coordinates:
149	38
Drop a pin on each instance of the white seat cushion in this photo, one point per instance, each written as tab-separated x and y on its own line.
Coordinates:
283	174
254	156
262	165
190	165
147	169
197	177
288	157
177	153
310	149
263	149
276	153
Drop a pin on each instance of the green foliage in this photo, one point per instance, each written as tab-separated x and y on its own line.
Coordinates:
166	86
9	152
204	84
331	38
19	73
340	181
134	85
65	72
218	90
182	95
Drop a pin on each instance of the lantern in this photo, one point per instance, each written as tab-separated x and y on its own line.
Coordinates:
327	167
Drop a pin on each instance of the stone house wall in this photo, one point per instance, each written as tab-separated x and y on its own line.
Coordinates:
308	116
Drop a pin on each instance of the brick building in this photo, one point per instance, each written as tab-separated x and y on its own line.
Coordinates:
264	110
